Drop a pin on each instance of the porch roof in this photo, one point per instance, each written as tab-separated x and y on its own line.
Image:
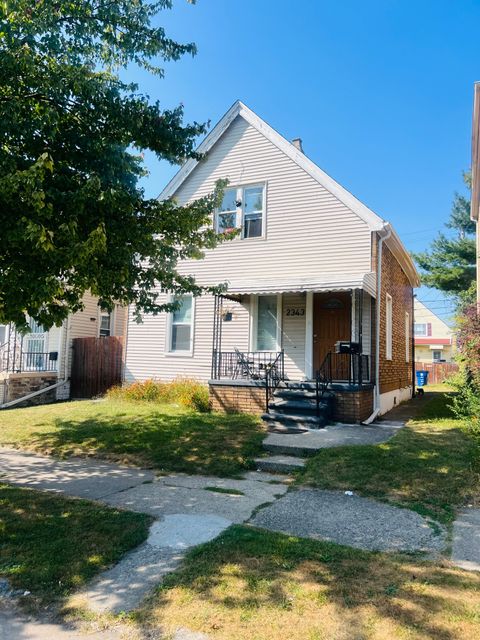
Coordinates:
324	282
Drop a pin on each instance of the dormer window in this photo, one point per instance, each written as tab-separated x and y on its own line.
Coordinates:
242	208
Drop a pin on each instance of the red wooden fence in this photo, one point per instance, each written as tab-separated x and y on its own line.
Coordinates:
437	371
96	366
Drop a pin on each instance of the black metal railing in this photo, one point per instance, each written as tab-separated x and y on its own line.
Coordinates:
245	365
275	373
21	361
323	378
351	368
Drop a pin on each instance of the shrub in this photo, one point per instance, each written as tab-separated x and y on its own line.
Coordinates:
186	392
466	402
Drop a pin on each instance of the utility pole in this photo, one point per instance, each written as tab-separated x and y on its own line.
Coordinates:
475	204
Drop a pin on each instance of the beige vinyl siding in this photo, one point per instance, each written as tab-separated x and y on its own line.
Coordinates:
293	336
147	355
308	231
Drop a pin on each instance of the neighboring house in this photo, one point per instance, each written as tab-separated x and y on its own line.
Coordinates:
312	266
39	359
434	339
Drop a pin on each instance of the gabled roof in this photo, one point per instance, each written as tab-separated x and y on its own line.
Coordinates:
374	222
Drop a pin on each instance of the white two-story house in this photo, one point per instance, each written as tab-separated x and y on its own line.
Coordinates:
311	266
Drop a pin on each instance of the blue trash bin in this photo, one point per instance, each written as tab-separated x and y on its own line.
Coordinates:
422	378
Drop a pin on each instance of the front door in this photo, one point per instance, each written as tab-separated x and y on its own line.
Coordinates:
331	322
34	348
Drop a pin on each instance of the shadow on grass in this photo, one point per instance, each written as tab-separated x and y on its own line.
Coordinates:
51	545
285	587
211	444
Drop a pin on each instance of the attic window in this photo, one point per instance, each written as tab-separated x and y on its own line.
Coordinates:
242	208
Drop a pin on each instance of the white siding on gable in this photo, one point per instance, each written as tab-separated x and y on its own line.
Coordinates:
308	230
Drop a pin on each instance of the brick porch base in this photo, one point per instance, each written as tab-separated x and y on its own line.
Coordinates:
240	396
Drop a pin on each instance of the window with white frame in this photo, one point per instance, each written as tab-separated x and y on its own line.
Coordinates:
420	329
242	208
181	325
407	336
266	323
105	329
388	327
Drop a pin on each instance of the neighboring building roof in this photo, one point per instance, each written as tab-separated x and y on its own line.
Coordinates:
433	340
374	222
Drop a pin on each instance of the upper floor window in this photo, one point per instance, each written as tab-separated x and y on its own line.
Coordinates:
242	208
420	328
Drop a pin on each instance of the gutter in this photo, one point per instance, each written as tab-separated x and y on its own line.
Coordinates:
376	392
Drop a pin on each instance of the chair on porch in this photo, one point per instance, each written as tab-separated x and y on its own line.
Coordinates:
245	368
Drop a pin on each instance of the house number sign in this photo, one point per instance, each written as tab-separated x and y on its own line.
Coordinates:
294	311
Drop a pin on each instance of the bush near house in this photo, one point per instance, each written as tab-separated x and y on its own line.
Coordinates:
186	392
466	403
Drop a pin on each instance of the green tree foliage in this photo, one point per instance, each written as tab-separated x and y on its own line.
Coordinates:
72	215
449	264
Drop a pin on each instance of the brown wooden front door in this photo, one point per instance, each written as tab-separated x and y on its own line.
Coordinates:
331	322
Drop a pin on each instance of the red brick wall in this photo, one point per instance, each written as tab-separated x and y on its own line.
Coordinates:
353	406
237	399
397	372
350	406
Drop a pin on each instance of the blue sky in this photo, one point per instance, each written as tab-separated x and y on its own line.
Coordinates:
380	91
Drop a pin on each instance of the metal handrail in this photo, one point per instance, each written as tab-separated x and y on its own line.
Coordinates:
247	365
323	378
274	374
32	361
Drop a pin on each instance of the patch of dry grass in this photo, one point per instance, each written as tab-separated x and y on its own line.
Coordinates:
266	586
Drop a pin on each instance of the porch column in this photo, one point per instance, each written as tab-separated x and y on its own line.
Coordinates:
309	335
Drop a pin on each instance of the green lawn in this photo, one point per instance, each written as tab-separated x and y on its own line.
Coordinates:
430	466
50	545
164	437
266	586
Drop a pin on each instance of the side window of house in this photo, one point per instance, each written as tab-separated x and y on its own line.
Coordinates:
105	324
436	355
3	333
388	328
242	208
181	326
267	323
407	336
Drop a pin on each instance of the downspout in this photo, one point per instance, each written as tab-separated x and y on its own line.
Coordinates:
376	391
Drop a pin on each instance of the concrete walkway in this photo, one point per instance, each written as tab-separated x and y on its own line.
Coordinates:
466	540
350	520
80	477
189	510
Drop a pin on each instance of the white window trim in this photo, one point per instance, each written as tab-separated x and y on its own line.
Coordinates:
421	335
254	323
407	336
168	333
240	214
112	321
388	327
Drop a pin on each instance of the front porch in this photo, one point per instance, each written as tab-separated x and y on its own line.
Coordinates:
26	366
323	349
